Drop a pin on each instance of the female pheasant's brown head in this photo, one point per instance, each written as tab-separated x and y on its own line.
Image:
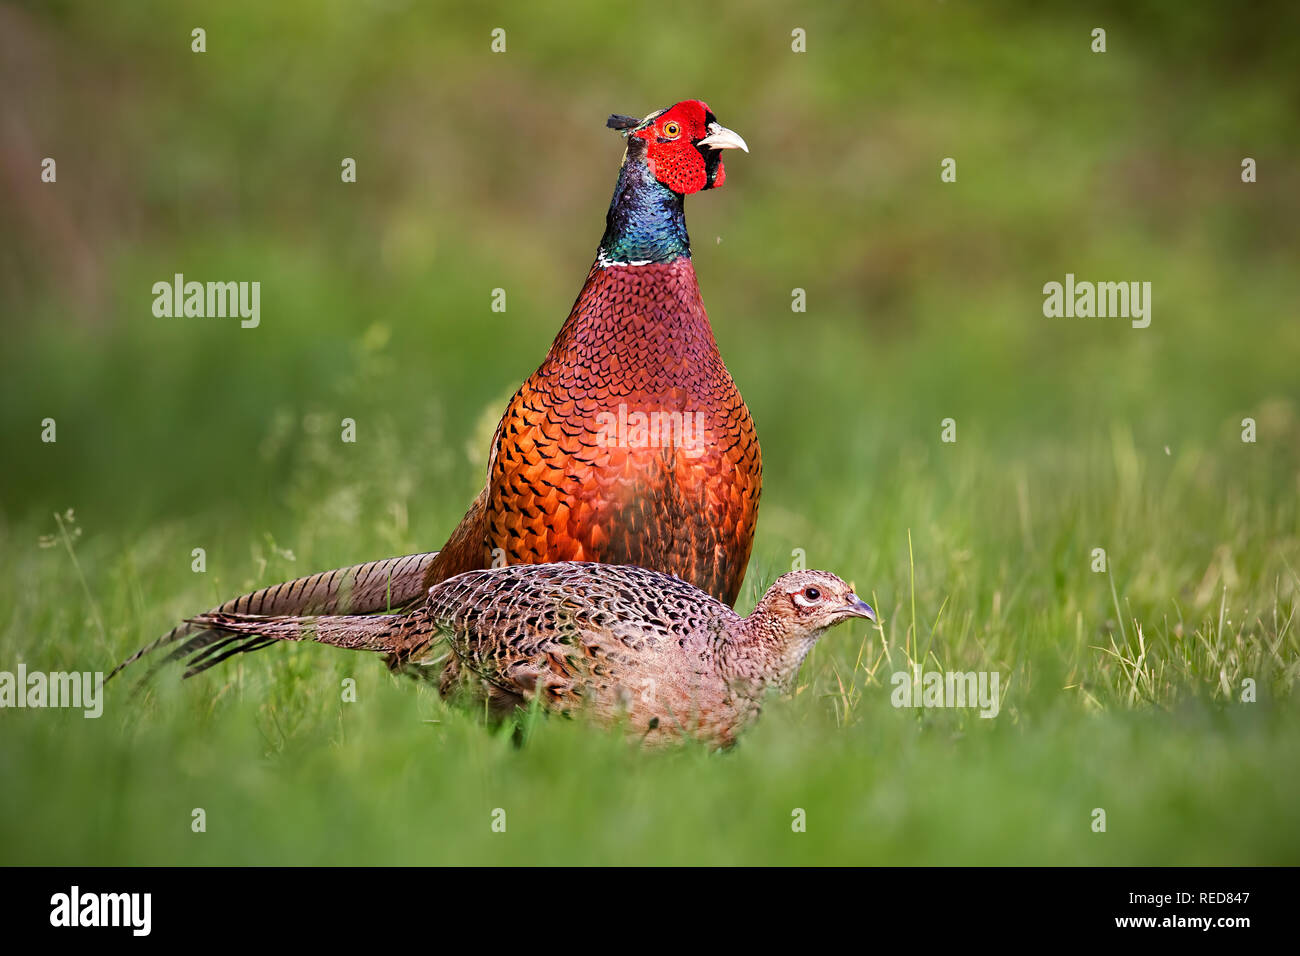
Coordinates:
811	601
793	614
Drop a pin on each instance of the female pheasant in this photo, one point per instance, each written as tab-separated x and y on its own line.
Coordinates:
630	444
617	644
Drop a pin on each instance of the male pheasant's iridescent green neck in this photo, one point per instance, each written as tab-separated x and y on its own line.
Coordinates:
646	221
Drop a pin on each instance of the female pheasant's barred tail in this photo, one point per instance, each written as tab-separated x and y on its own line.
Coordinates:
390	584
356	632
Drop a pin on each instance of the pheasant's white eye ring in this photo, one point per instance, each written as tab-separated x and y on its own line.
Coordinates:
672	129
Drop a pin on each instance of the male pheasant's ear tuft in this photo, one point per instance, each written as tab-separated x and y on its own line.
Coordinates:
620	122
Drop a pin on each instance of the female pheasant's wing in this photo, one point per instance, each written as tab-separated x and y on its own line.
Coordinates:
571	631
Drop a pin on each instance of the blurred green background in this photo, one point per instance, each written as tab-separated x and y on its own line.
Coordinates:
479	171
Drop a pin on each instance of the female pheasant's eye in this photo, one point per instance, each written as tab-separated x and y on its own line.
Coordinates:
812	594
671	129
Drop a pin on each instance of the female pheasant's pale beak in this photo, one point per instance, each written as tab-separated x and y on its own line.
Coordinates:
722	138
856	607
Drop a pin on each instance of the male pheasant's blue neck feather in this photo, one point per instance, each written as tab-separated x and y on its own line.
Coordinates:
646	221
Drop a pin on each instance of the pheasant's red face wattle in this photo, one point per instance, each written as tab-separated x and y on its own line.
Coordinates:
683	146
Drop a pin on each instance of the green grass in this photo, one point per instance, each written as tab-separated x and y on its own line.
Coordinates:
1121	690
1128	700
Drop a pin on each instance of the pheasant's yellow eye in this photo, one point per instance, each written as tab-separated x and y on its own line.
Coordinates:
672	129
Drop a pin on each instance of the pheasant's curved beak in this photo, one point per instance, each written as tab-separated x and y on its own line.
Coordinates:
722	138
856	607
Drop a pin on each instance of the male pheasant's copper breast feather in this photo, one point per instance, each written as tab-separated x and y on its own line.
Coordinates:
568	483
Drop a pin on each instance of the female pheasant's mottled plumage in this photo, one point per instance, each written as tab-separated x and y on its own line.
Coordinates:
637	341
617	644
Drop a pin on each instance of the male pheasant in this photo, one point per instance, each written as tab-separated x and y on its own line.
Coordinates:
615	643
577	471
